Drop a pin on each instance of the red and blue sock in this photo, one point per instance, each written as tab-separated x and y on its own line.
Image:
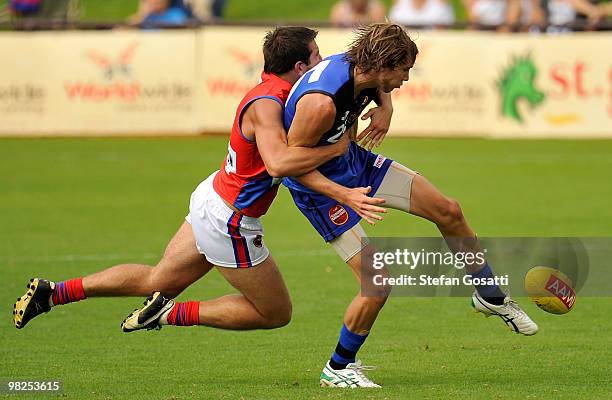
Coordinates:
185	314
68	291
347	348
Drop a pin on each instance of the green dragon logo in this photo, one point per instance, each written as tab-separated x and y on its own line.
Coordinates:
517	82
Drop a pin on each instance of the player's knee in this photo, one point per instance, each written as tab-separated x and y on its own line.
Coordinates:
279	317
376	287
284	315
450	214
282	319
378	300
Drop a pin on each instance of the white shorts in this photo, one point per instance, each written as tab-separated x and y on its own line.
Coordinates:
225	237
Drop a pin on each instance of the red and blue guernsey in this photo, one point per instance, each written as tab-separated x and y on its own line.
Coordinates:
243	180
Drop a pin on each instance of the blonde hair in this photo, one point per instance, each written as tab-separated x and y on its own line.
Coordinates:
381	45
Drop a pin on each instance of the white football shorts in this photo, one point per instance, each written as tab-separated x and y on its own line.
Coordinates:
226	238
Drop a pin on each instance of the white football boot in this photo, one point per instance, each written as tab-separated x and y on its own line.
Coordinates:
510	312
350	377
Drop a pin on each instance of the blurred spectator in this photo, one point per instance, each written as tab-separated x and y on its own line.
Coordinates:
156	13
200	9
207	10
218	8
500	14
485	12
560	12
563	12
532	14
422	12
25	8
350	13
51	10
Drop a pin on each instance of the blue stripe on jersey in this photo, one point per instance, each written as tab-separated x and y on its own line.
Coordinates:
252	191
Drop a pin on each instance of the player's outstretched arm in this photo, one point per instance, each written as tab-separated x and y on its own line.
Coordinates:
265	118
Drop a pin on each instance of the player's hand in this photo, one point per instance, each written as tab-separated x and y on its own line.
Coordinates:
367	207
380	120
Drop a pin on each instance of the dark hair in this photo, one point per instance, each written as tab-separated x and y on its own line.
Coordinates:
284	46
383	45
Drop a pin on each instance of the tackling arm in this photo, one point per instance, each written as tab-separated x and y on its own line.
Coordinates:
314	116
265	119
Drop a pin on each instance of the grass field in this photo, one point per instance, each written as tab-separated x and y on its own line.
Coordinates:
69	207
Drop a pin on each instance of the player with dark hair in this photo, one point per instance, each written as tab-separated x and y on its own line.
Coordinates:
322	109
223	228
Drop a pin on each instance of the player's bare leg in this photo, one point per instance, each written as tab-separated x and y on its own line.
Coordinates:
180	266
363	311
343	369
405	190
263	303
428	202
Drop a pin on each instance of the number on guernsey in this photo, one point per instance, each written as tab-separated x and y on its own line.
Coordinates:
313	76
230	160
318	70
340	130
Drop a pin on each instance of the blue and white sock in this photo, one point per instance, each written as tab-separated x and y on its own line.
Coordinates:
347	348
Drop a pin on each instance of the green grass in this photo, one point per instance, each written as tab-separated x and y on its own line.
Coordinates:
69	207
113	10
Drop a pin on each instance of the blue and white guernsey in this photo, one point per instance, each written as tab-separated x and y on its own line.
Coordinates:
357	167
333	77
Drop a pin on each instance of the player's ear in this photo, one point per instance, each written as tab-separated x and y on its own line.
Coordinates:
300	68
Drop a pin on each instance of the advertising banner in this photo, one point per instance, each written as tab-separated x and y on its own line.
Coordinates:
463	84
552	86
107	83
190	82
